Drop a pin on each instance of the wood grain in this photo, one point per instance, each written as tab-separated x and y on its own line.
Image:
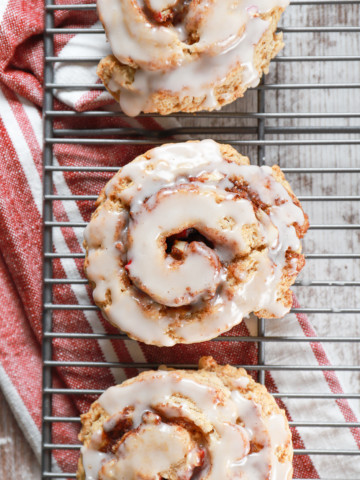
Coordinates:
17	460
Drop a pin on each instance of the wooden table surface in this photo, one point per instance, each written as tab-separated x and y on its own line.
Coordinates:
17	460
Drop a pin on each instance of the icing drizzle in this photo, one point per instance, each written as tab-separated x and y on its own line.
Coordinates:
159	441
186	50
193	290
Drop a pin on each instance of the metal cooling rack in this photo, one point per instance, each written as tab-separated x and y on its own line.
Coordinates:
304	117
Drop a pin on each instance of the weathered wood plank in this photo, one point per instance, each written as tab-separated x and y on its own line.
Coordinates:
17	460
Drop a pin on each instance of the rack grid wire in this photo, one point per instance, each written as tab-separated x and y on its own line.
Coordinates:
304	117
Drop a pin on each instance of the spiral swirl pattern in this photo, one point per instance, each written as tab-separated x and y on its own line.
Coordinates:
186	49
188	239
213	424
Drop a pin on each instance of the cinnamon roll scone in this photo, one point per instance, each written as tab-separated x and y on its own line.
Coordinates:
189	238
186	55
212	424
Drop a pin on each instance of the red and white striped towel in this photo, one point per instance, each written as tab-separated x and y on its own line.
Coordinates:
21	77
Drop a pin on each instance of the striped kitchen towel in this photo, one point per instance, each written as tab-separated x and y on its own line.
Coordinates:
21	98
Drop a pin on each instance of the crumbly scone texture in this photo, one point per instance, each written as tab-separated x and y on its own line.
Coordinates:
231	88
210	373
247	266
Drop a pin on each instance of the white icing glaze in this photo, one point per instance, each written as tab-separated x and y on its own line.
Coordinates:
132	36
169	61
159	5
151	449
153	446
161	277
93	461
162	202
242	382
103	261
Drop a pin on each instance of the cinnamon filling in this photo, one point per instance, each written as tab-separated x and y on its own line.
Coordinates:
188	235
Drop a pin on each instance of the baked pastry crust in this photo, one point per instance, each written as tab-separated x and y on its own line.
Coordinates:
218	384
196	202
118	76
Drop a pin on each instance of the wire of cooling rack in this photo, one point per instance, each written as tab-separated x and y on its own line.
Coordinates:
269	136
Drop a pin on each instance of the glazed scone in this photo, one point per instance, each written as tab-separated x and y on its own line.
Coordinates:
176	55
189	238
211	424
